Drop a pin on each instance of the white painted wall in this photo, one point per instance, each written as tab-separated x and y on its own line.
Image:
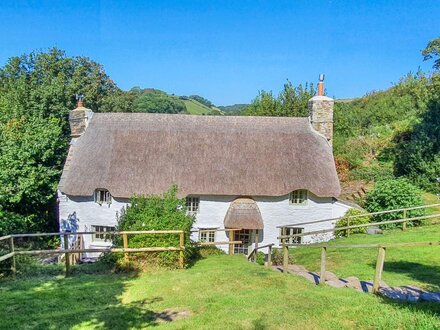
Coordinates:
275	211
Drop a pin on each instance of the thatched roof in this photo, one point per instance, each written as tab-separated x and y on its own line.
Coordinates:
243	213
140	153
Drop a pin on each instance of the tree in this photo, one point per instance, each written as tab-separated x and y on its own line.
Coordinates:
36	93
432	51
291	102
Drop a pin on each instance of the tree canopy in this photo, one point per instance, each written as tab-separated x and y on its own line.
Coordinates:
432	51
37	90
291	102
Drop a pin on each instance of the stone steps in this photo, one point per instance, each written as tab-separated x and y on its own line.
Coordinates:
402	293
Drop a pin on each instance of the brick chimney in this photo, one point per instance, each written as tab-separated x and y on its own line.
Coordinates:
79	118
321	112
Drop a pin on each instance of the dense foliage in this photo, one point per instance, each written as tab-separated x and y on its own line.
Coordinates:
394	132
234	109
291	102
394	194
432	51
347	221
36	93
166	212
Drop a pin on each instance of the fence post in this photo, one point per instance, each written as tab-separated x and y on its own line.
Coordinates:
231	239
254	258
404	217
323	257
285	252
348	225
126	258
182	247
12	249
67	254
379	269
269	257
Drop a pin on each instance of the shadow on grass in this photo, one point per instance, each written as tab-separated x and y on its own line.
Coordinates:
90	297
429	274
429	308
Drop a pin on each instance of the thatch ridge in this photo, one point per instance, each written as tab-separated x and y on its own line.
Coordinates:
140	153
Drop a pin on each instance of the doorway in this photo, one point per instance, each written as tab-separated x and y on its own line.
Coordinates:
245	237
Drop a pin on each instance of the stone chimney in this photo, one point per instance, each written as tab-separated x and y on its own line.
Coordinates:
79	118
321	112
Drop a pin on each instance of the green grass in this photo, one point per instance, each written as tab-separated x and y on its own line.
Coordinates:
418	266
196	108
220	292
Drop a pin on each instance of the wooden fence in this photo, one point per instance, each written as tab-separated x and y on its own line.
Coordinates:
381	247
67	251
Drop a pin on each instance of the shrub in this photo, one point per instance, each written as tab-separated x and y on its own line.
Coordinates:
394	194
261	258
166	212
277	257
345	221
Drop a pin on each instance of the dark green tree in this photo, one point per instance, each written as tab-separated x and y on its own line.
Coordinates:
432	51
36	93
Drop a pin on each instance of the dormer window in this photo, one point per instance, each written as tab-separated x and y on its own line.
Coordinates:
192	204
298	197
102	196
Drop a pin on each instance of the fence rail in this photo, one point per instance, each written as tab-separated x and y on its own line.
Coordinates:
404	210
253	254
381	247
67	251
380	256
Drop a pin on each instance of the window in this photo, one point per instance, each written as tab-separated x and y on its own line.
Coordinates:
101	235
244	236
298	197
102	196
293	231
192	204
206	235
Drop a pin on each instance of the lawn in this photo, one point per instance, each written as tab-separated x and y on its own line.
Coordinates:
220	292
418	266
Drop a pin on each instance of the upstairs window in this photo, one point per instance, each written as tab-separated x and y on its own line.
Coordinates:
206	235
192	204
100	235
102	196
298	197
293	231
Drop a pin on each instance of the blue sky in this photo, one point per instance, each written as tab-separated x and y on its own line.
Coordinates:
228	50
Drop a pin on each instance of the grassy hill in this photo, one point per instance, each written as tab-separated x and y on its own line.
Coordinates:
194	107
220	292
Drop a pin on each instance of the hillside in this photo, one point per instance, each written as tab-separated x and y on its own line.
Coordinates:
391	133
194	107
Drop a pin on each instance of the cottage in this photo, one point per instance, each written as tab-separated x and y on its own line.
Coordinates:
252	173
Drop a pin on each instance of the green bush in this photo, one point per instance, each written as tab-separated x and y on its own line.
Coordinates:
277	257
166	212
261	258
345	221
394	194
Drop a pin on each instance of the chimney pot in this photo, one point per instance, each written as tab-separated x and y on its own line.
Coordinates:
321	85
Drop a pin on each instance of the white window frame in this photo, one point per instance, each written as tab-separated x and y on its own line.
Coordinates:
193	204
207	235
102	196
102	237
299	197
292	231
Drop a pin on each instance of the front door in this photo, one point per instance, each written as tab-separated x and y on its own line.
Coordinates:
244	236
